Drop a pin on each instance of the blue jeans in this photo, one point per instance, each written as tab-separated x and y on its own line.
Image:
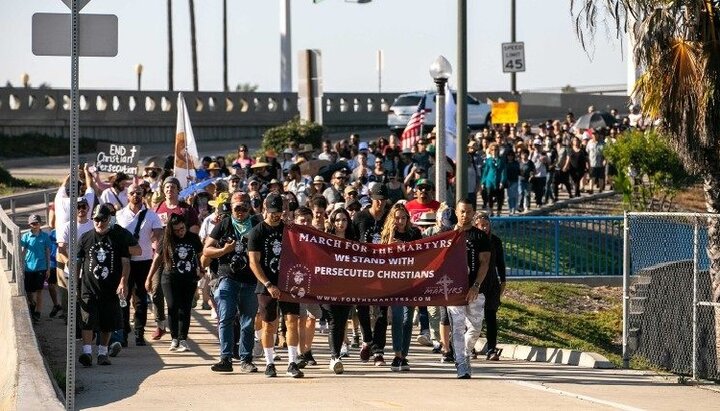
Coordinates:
402	328
512	196
524	192
424	319
232	296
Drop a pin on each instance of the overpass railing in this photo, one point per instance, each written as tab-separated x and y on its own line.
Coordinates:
10	250
561	246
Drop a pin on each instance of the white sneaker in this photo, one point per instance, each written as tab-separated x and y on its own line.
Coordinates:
174	345
336	366
213	314
183	346
344	351
424	339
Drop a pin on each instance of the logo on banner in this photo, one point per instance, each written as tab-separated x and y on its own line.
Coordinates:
300	280
445	282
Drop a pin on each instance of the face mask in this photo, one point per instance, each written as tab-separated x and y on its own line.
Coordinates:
153	174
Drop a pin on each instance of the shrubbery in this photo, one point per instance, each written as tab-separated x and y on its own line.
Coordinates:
302	132
39	145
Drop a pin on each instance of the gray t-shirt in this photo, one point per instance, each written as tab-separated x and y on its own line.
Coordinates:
595	153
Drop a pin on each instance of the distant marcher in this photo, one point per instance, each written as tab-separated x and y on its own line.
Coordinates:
35	246
493	286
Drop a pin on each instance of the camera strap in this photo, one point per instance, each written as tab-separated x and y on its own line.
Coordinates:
141	218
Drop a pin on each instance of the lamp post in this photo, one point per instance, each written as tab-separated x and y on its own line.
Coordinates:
25	79
138	71
440	71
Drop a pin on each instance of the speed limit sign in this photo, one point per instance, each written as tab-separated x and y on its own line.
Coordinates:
513	57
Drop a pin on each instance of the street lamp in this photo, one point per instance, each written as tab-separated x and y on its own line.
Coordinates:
25	79
440	71
138	71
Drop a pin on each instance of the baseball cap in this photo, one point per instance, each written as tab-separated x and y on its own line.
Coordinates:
318	179
214	166
378	192
350	189
362	146
423	182
81	200
34	218
274	203
234	177
102	211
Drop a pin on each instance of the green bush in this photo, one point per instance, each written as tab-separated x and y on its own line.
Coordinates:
302	132
649	171
40	145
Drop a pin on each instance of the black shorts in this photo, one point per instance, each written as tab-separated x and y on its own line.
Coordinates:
597	172
268	308
34	281
100	313
52	279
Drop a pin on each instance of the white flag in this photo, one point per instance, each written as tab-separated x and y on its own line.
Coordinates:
450	124
186	153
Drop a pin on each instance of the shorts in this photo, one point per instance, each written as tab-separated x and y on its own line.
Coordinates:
597	172
268	308
310	310
100	313
52	279
34	281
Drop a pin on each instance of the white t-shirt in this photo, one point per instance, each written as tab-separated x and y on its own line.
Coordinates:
119	200
62	206
206	227
128	220
63	235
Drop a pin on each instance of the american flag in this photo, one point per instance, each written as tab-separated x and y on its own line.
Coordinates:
413	130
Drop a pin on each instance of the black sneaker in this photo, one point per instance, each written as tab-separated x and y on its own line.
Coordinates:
448	358
85	359
270	371
224	365
309	358
437	349
140	341
56	309
379	360
247	367
294	371
36	317
103	360
404	365
395	365
355	341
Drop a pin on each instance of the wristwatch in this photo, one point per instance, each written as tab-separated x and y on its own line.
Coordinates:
267	284
476	285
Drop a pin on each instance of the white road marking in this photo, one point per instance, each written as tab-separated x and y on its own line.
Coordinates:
541	387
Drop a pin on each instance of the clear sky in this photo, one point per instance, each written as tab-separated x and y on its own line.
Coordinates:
411	34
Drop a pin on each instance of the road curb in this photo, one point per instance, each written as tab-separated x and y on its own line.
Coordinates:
549	355
567	202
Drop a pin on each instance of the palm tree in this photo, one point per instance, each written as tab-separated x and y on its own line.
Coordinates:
678	47
225	56
193	45
170	45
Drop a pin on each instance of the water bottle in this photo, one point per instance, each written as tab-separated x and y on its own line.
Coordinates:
123	302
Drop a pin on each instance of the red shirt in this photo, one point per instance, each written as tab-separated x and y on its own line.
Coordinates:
183	209
416	209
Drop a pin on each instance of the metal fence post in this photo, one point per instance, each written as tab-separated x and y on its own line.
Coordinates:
557	247
18	266
696	242
626	285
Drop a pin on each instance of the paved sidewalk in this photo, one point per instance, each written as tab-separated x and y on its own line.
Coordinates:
153	378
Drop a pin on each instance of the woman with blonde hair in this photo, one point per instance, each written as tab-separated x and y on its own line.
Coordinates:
397	228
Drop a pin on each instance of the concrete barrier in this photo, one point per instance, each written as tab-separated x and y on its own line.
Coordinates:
25	383
549	355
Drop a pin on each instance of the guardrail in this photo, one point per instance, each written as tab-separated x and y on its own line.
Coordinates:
32	201
10	250
559	246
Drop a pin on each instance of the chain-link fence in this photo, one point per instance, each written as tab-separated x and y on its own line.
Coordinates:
669	315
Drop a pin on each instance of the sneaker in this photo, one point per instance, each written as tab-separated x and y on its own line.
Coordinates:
224	365
344	351
447	358
270	371
336	365
257	349
36	316
159	332
379	360
114	349
437	347
309	358
247	367
365	353
103	360
85	359
294	371
56	309
323	327
395	365
404	365
494	355
473	354
183	346
174	344
301	363
424	339
140	341
463	371
355	341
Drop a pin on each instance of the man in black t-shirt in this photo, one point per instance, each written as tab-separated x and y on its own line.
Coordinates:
478	260
369	223
228	242
104	254
264	247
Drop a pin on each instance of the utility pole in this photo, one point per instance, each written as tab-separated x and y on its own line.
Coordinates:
285	47
513	75
461	172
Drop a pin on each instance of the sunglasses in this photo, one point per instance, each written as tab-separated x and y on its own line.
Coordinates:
101	219
423	188
136	193
241	208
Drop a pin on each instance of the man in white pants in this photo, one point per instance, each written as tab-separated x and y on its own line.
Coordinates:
466	321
